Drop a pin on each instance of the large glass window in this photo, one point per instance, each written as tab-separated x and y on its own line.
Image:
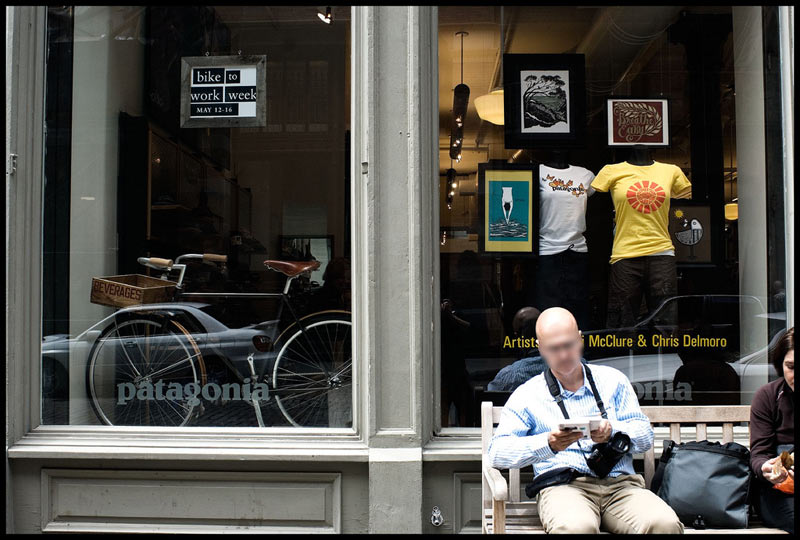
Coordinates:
197	217
613	161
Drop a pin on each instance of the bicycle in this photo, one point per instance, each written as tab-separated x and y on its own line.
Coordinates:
160	347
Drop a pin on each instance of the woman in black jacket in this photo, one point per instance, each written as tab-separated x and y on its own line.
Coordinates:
772	432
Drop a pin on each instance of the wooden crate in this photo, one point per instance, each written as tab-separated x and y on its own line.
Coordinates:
130	290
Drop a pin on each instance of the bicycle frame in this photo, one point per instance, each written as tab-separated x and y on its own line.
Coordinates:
180	294
208	323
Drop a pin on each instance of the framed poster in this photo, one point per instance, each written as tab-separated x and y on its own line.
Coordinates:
223	91
637	121
690	230
544	100
508	206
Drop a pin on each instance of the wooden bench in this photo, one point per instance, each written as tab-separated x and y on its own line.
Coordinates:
504	512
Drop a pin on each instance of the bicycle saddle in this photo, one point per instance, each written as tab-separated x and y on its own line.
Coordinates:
291	268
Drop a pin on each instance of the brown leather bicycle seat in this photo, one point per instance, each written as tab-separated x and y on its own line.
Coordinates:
292	268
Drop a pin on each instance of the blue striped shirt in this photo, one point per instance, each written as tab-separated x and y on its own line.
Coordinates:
531	413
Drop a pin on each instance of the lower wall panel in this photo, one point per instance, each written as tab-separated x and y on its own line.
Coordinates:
189	501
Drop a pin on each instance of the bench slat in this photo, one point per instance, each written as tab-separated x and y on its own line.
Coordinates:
675	432
708	414
517	509
727	432
513	485
649	466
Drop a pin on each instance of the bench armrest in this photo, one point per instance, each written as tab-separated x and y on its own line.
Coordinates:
497	484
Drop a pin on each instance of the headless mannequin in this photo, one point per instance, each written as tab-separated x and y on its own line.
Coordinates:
573	291
640	155
558	159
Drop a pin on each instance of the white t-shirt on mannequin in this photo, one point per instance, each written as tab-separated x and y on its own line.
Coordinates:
563	194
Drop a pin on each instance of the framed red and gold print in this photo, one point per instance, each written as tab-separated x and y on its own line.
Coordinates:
638	121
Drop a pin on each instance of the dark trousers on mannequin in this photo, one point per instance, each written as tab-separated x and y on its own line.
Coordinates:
653	278
562	280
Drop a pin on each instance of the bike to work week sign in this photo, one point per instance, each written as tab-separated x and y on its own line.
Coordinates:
223	91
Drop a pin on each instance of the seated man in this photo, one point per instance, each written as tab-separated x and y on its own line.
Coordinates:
528	433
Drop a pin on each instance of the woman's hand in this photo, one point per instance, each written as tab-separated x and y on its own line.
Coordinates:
768	468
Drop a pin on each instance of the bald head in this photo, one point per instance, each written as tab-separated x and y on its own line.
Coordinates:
554	321
559	340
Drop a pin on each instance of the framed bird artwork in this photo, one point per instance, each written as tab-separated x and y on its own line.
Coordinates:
690	229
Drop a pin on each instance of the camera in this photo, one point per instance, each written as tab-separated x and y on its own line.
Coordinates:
605	455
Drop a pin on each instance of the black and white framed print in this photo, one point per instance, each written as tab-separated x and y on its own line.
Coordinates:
545	99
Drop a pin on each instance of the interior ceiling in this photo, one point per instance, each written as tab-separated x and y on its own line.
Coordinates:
617	42
282	14
545	29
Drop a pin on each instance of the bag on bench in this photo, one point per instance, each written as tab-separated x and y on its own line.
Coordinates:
706	484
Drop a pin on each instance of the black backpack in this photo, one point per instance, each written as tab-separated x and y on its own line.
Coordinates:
706	484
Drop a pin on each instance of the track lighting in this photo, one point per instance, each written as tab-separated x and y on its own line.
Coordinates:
327	18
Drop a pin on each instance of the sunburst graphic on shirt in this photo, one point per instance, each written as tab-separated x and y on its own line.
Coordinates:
646	196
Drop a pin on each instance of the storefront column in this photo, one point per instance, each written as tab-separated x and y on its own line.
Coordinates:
751	154
25	39
395	146
787	95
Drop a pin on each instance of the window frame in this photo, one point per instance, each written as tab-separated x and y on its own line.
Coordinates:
449	442
26	436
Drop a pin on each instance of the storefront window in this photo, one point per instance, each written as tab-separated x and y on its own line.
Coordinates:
615	161
197	217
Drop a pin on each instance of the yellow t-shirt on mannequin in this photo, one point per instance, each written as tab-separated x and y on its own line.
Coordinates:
641	194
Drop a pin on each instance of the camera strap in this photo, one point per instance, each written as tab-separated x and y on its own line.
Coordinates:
552	385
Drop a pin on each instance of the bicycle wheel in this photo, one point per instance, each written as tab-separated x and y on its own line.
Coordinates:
139	373
312	377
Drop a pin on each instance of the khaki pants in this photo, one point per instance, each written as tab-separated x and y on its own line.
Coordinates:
619	505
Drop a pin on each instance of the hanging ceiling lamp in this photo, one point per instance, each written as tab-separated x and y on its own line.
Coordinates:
490	106
732	211
451	185
460	103
732	208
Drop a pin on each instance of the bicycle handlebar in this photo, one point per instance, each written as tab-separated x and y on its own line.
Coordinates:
156	262
169	264
213	257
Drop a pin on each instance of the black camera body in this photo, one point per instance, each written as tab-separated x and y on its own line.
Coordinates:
604	456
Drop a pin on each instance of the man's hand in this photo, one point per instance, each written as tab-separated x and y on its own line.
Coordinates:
602	433
559	440
769	471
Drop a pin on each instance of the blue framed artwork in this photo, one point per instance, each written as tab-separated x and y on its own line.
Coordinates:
509	208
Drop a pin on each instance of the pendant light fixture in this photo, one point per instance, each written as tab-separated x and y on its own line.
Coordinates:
451	185
732	208
490	106
326	17
460	103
